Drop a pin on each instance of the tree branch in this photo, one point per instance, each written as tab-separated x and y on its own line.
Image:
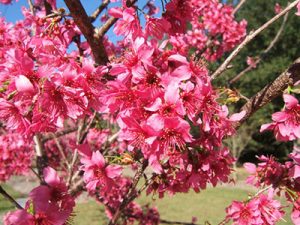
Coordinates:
48	7
250	37
41	158
31	7
9	198
83	21
271	91
80	139
131	194
162	221
58	134
264	53
98	11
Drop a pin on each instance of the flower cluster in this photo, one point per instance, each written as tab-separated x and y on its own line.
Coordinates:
15	155
97	173
286	124
260	210
48	204
133	212
42	84
280	178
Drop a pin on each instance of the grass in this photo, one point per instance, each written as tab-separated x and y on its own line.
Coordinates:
5	205
208	205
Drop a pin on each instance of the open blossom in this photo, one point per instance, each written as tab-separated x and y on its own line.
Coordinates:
157	27
97	173
268	172
128	25
48	204
286	124
277	8
251	62
260	210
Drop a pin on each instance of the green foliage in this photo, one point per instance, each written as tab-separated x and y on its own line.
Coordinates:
284	52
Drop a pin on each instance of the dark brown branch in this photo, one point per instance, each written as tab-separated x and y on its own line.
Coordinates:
48	7
98	11
77	188
59	134
162	221
82	20
264	53
131	194
111	21
271	91
9	198
249	38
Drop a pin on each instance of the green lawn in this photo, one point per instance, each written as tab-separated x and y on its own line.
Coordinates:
208	205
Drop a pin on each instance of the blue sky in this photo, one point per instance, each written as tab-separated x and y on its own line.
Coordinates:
13	12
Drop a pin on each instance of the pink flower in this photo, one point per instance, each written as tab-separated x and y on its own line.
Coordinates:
97	173
268	172
277	8
128	25
55	192
251	62
48	204
286	125
15	155
295	215
298	8
156	27
295	169
261	210
46	213
11	114
5	1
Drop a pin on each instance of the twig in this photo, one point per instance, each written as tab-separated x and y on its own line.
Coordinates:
61	151
9	198
131	194
162	221
271	91
98	11
58	134
37	175
41	158
80	139
78	187
31	7
264	53
250	37
237	8
273	42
